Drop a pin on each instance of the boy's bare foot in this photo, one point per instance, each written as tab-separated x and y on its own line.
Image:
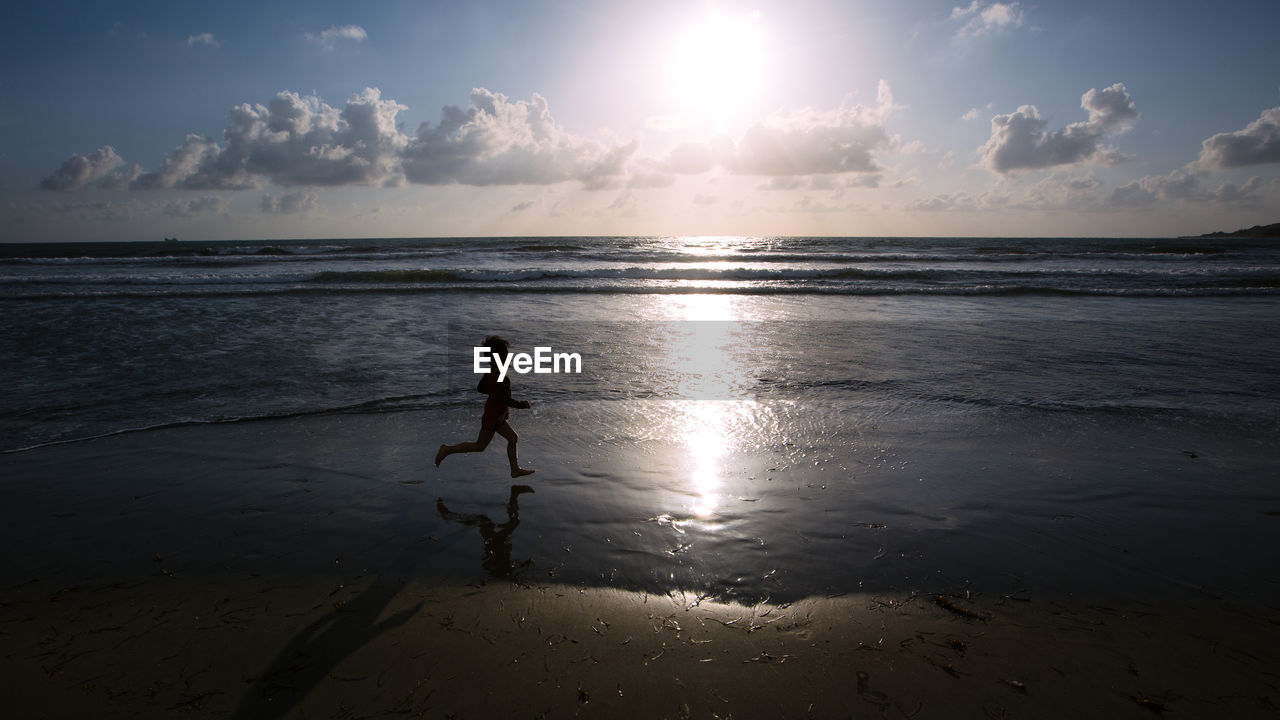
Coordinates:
440	456
520	472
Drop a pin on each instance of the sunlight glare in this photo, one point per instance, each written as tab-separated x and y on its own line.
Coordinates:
707	441
718	66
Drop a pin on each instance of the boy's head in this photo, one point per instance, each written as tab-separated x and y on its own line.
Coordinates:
498	347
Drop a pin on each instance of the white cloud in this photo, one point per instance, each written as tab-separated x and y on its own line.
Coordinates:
970	114
328	39
97	169
884	99
296	202
1110	109
301	141
202	39
497	141
293	140
194	165
812	142
1019	140
1256	144
978	19
297	140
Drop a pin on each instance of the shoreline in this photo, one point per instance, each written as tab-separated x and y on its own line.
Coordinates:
304	568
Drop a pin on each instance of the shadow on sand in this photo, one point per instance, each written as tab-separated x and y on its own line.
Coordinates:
308	659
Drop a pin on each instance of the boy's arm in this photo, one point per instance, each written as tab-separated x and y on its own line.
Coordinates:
518	404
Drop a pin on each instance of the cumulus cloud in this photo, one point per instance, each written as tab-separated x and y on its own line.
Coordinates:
99	168
1020	141
193	165
1256	144
498	141
202	39
328	39
981	19
293	140
1110	108
297	202
299	140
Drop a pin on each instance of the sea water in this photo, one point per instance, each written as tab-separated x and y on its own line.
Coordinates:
754	417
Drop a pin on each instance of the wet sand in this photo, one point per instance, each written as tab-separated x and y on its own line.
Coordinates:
305	569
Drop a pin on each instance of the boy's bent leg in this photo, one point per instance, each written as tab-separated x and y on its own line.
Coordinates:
481	442
505	430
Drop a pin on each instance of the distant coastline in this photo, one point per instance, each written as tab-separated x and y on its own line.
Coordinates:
1257	231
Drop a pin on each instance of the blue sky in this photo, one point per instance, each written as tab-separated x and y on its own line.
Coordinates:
137	120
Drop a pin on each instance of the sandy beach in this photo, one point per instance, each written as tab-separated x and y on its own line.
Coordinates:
250	571
164	646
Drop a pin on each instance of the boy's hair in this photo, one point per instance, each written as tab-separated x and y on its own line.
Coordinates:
498	347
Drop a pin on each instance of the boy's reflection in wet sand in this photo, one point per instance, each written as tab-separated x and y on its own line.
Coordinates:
497	538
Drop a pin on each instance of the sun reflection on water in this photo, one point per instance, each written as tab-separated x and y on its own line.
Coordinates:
711	430
710	359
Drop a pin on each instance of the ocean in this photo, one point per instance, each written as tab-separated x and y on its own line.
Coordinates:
755	417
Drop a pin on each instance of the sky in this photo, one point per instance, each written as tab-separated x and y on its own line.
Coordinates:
237	120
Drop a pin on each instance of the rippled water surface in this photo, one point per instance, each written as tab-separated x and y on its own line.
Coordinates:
754	417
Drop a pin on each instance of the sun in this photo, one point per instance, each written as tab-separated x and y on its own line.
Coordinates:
718	66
